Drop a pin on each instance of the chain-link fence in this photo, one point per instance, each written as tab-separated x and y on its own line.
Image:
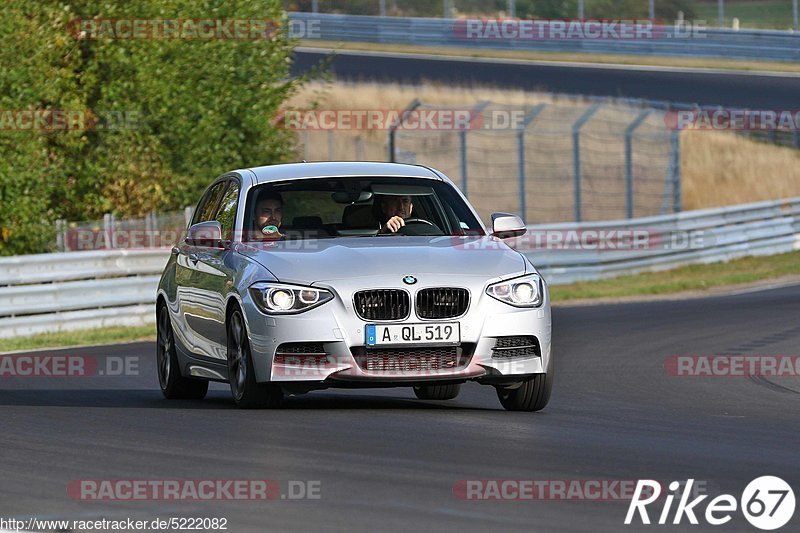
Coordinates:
551	162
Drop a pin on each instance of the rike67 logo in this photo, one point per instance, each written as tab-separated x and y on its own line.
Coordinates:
767	503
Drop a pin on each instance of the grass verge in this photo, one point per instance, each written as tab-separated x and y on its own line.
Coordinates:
80	338
694	278
603	59
767	14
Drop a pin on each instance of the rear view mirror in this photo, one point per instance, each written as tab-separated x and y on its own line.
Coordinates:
351	197
205	234
506	225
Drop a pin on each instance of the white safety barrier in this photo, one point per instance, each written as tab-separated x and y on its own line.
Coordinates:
79	290
680	39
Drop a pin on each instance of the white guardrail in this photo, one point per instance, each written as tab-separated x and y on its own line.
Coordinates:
79	290
669	40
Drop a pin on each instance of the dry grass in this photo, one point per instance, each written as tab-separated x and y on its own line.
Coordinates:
724	169
718	168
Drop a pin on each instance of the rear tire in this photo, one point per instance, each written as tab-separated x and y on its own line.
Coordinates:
532	395
173	385
437	392
246	391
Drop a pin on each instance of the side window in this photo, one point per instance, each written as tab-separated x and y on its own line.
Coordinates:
227	211
209	206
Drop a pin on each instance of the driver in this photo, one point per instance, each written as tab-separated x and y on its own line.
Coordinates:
268	215
394	212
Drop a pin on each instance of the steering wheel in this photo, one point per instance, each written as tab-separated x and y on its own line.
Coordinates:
419	221
419	226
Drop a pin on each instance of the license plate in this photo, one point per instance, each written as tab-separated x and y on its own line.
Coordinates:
403	334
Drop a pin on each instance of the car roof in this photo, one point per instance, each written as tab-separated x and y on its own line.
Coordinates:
304	170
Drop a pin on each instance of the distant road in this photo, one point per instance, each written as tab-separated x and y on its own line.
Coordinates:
705	87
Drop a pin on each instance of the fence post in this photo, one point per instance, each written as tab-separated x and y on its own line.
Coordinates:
629	160
576	155
676	172
527	120
359	148
61	241
415	103
108	230
152	219
462	137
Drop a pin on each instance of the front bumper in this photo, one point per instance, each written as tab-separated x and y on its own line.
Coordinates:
336	327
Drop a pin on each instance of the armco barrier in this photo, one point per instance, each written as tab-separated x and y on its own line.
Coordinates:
437	32
78	290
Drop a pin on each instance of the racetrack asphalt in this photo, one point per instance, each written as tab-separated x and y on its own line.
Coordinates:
388	462
704	87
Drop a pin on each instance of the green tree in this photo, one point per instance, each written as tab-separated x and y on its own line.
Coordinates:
174	113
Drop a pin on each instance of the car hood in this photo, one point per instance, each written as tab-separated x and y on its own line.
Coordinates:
386	257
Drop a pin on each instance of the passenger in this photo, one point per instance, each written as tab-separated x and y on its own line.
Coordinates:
268	216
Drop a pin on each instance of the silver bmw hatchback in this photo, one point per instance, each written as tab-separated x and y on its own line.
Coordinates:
301	277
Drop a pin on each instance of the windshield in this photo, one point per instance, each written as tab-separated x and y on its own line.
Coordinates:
356	207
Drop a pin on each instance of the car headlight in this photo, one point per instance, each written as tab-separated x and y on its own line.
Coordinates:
279	298
526	291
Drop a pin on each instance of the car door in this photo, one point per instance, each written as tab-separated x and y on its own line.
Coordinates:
203	276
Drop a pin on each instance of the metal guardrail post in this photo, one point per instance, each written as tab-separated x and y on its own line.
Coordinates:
415	103
676	172
576	155
629	160
527	120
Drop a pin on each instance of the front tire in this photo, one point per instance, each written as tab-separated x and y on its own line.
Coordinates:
437	392
246	391
532	395
173	385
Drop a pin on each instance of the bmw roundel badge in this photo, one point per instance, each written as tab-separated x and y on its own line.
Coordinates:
409	280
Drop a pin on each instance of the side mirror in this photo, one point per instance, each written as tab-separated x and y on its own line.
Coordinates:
506	225
205	234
